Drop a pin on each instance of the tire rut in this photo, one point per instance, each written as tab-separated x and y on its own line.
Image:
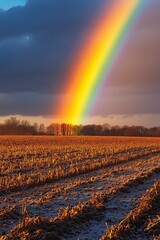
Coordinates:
78	193
116	209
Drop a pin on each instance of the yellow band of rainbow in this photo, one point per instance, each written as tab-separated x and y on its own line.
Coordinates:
95	57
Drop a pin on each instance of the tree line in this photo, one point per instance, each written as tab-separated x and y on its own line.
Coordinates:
14	126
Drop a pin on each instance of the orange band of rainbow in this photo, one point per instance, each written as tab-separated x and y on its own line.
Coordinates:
95	57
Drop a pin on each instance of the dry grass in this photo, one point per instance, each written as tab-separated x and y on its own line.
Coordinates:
38	228
10	212
153	227
27	162
148	203
31	161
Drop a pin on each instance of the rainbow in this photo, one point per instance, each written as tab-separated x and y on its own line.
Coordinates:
95	57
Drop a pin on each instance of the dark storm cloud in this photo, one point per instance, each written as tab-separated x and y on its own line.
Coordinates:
31	104
38	40
53	16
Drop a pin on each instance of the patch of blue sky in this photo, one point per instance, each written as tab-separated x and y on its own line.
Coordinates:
7	4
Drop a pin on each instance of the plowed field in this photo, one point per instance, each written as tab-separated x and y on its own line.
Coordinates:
79	188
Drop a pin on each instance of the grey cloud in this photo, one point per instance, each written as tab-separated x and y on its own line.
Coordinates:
56	16
38	42
37	45
137	67
126	105
31	104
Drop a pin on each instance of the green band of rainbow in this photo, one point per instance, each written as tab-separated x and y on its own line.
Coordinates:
95	58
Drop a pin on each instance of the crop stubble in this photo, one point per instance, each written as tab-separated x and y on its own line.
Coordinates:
59	184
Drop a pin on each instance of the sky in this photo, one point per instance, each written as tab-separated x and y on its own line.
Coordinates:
7	4
38	42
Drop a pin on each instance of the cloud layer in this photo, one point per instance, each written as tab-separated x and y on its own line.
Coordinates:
37	46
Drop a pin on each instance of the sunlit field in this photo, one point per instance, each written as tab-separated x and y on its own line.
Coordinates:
79	188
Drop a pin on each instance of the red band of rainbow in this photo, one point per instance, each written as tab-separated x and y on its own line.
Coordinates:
95	58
